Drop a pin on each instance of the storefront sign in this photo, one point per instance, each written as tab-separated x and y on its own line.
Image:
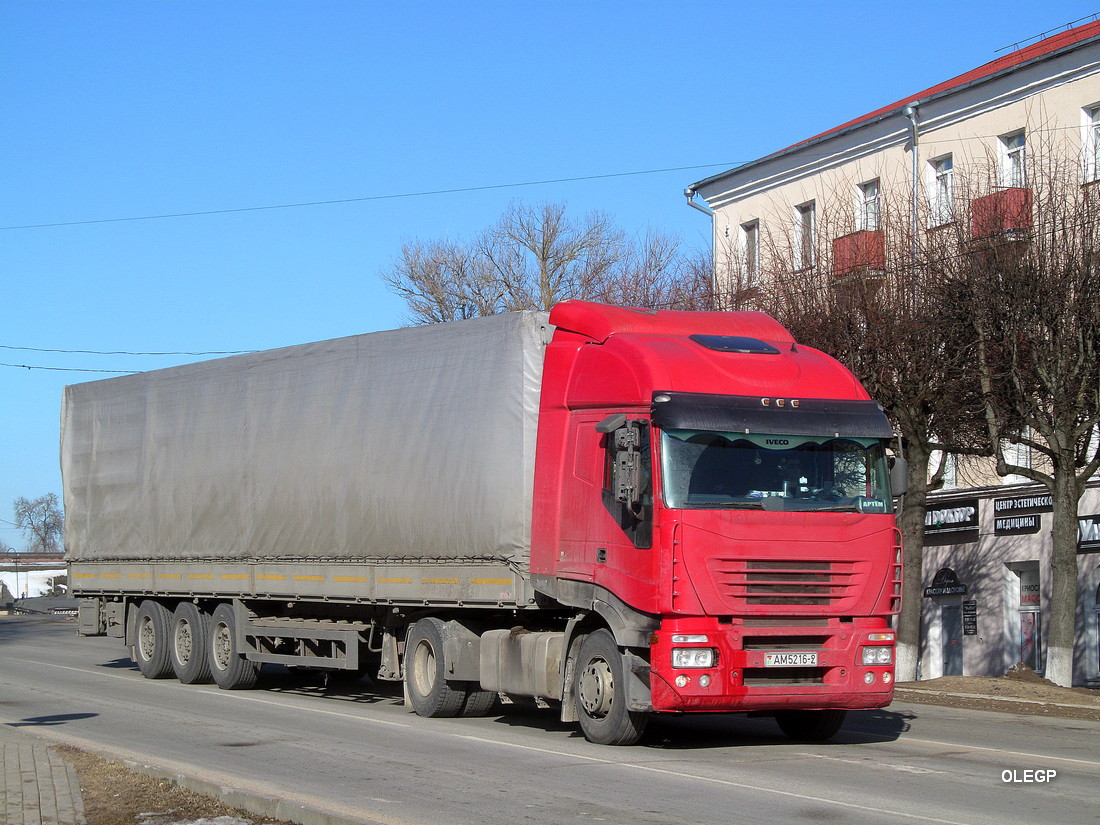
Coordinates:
951	516
1017	525
1039	503
970	618
946	583
1088	534
1029	589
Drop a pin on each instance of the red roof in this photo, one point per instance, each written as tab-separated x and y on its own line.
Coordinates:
1046	46
1041	48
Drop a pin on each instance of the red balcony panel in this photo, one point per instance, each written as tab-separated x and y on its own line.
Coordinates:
1008	210
860	250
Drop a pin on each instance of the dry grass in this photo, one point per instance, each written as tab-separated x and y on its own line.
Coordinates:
115	794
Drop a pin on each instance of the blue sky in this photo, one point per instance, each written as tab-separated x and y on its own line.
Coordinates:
118	109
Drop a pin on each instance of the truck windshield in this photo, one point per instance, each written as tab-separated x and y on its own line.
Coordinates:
711	470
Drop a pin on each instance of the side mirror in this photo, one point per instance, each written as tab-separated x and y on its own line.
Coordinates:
626	467
899	476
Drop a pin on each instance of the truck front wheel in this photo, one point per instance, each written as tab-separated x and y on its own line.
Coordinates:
810	725
151	645
230	669
601	693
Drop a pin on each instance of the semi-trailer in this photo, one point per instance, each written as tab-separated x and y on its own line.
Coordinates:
615	512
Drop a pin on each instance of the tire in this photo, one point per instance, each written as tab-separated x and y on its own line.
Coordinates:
810	725
187	651
429	692
151	642
230	669
478	702
600	693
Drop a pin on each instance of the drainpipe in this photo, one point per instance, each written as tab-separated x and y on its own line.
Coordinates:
914	218
690	193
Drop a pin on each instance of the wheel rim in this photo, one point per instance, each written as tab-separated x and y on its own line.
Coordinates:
147	639
222	646
597	688
184	641
423	675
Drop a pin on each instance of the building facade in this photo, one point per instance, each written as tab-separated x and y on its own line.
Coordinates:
963	158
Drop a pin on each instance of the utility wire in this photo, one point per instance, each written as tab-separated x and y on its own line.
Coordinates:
363	199
65	369
122	352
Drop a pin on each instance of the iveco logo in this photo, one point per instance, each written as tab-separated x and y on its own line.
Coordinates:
777	442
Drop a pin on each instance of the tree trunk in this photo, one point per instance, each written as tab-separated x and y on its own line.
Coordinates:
911	524
1062	615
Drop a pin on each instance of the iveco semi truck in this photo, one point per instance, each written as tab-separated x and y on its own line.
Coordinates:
613	512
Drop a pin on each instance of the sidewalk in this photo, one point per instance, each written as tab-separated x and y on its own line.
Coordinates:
39	787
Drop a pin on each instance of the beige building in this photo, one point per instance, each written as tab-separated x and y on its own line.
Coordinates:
956	153
865	196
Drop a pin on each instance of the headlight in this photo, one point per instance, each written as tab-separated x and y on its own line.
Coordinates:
878	655
693	657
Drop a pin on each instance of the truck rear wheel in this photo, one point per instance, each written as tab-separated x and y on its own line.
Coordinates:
429	692
151	643
230	669
601	693
190	627
810	725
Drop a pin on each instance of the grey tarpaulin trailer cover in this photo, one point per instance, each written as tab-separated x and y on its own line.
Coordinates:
399	445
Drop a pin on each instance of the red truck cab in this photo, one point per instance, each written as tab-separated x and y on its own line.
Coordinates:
719	496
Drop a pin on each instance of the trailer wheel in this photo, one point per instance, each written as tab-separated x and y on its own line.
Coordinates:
151	644
600	693
230	669
428	689
190	627
810	725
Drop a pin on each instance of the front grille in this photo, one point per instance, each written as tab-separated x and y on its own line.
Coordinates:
784	583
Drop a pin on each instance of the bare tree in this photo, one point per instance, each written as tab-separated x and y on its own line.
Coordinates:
41	520
534	257
1029	288
541	256
445	281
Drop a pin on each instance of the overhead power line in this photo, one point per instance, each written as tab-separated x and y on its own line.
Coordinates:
123	352
65	369
364	199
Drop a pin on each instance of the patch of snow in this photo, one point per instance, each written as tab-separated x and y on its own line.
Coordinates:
32	582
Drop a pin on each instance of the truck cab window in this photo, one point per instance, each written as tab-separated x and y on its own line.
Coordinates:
774	472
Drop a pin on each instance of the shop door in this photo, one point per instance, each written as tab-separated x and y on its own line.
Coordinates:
951	618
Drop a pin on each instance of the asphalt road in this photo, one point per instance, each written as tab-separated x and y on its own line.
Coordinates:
357	752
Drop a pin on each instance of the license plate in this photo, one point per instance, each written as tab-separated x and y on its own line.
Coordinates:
790	660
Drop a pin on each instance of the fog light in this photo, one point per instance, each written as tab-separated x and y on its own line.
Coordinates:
682	680
704	680
869	678
887	677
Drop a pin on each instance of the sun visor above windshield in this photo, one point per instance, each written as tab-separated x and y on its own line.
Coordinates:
784	416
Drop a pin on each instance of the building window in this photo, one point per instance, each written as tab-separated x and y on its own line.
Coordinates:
1091	143
943	190
1014	160
869	206
750	248
805	231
